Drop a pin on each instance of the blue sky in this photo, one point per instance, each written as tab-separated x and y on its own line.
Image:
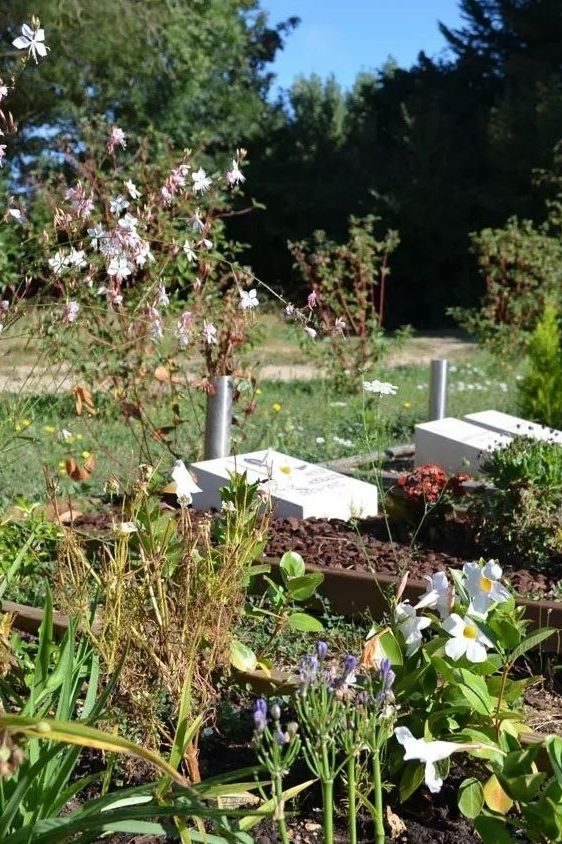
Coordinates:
346	36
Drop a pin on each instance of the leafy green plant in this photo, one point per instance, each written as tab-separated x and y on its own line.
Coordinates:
521	518
521	265
540	390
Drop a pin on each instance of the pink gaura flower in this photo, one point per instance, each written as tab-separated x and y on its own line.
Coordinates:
210	333
117	138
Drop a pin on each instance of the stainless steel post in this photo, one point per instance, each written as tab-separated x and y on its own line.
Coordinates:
218	422
438	389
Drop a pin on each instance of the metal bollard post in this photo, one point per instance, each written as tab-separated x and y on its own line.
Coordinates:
218	421
438	389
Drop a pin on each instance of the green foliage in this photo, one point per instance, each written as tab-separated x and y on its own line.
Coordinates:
521	520
27	554
196	71
540	391
522	269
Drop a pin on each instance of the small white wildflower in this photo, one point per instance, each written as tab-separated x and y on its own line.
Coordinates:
118	205
380	388
235	175
132	189
201	182
189	253
248	299
32	41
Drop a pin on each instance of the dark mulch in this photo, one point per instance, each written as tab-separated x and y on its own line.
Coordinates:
365	546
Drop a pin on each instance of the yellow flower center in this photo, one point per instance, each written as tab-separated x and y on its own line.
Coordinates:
485	584
470	632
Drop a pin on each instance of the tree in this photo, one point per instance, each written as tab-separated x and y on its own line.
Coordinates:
195	70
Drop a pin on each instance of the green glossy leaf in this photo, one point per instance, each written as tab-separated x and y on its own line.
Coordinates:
242	657
523	788
411	779
292	564
304	623
304	587
520	761
554	750
531	642
492	831
267	808
470	798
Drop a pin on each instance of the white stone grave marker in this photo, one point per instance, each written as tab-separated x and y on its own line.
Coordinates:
455	445
504	423
297	488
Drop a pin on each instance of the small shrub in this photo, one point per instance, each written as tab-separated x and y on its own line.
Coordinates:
425	494
522	517
540	391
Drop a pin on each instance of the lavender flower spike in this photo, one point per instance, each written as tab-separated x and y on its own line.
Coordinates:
321	650
260	715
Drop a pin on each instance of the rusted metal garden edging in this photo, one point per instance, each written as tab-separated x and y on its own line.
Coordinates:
357	593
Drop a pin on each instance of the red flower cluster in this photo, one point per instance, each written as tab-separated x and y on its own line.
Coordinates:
429	482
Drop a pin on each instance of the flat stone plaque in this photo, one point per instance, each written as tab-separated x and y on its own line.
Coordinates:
513	426
297	488
455	445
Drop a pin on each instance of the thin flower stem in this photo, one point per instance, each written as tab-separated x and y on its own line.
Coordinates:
377	788
280	809
352	800
328	810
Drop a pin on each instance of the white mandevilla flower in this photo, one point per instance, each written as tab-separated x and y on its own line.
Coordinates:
410	626
248	299
380	388
466	639
439	594
32	41
201	182
132	189
235	175
484	587
185	485
429	752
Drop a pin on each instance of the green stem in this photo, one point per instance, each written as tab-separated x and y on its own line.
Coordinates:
328	810
377	788
280	809
352	800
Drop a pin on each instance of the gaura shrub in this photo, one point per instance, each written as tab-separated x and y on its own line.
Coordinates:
434	679
521	518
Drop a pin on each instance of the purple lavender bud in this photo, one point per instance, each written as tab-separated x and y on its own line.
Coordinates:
308	669
386	674
260	714
281	737
321	650
349	665
362	699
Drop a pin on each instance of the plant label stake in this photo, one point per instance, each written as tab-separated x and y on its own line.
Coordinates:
438	389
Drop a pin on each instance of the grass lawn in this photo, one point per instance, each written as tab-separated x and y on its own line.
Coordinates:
305	418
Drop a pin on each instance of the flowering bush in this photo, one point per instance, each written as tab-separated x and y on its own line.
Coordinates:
425	495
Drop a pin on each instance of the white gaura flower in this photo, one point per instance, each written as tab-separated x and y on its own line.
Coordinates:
410	626
65	436
429	752
248	299
210	333
124	529
235	175
439	595
185	485
483	586
118	205
32	41
119	267
77	259
379	388
58	262
189	252
201	182
2	153
132	189
310	331
96	233
466	638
